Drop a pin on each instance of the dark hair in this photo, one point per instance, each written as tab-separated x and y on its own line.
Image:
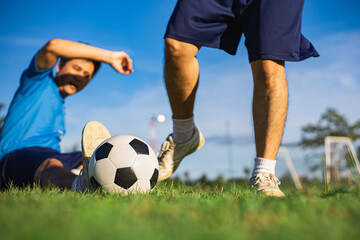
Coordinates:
97	64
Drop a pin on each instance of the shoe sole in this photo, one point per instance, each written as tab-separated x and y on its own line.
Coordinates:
271	193
94	133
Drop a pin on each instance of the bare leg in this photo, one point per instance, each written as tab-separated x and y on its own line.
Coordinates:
52	172
181	76
270	103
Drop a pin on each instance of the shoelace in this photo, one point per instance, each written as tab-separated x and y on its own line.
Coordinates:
166	147
267	179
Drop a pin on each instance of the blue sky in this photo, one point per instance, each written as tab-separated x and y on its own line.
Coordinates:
126	103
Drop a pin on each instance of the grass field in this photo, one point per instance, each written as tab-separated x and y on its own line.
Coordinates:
179	211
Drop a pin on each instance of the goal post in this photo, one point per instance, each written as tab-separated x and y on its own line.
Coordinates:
329	140
291	168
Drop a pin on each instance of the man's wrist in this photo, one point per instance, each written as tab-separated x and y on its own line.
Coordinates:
108	57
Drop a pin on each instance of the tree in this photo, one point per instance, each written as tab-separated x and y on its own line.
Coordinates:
331	123
247	172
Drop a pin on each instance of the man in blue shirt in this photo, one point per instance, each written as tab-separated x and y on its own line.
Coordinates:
32	131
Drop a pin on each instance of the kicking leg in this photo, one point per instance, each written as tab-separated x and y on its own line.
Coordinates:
181	76
181	79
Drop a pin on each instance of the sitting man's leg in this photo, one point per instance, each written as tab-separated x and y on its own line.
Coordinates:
24	166
56	170
52	173
93	134
49	167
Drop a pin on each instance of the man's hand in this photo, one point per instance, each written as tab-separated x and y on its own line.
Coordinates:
121	62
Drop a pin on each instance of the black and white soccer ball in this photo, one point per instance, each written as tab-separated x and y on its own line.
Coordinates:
124	164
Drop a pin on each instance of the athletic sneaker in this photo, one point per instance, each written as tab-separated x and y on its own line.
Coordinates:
94	133
171	153
268	184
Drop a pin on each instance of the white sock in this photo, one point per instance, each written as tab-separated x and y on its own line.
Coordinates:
183	129
75	171
263	165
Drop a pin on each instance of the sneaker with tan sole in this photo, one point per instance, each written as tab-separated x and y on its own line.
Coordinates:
94	133
267	184
170	153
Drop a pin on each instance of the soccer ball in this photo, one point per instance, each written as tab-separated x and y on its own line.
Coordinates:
124	164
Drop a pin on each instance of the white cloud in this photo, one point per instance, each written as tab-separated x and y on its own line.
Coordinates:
347	81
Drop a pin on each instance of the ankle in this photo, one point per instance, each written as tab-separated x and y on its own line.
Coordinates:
183	129
263	165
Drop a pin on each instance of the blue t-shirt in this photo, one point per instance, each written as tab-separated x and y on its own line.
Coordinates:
36	114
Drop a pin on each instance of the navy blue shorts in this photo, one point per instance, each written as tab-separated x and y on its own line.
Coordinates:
19	166
272	28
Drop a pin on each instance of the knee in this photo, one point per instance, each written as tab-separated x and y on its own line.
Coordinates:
268	74
48	163
175	49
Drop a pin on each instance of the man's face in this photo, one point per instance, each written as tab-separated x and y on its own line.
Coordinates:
73	76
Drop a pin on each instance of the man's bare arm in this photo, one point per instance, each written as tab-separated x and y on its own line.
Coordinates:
55	48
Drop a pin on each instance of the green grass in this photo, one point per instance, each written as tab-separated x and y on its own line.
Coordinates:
178	211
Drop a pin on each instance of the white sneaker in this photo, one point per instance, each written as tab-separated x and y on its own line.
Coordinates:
268	184
94	133
171	153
